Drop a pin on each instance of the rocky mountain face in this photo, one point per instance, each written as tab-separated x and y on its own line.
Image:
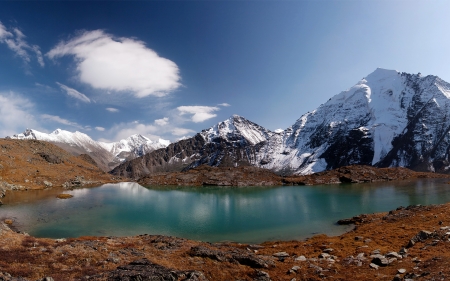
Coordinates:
233	142
106	155
388	119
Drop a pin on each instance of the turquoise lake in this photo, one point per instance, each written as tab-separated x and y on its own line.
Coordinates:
245	214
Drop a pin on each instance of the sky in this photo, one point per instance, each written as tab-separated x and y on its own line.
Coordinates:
168	69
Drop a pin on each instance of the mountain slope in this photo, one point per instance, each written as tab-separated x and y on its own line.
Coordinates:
387	119
233	142
106	155
33	164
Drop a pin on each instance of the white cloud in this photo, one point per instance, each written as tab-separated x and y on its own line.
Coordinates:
112	109
101	129
162	122
60	120
119	64
182	131
15	40
224	104
74	93
199	113
16	113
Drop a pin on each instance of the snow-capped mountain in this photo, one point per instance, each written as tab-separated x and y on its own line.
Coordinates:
107	155
387	119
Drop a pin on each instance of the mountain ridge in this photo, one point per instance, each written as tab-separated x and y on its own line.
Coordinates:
106	155
387	119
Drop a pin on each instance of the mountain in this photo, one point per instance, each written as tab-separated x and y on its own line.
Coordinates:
106	155
233	142
388	119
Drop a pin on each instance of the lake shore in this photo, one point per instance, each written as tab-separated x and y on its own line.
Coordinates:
406	243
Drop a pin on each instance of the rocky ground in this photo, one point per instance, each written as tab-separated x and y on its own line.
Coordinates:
409	243
217	176
31	164
252	176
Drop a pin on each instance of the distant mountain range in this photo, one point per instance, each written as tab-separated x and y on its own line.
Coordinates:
387	119
106	155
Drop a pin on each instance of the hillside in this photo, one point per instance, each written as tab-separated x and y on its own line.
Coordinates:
32	164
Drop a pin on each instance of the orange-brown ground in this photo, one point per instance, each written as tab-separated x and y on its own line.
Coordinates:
98	257
31	164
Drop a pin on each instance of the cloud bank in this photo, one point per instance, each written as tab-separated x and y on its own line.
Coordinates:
119	64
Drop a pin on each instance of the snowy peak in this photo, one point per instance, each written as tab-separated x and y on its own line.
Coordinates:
237	128
107	155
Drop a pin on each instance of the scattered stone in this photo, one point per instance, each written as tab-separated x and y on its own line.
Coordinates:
376	252
380	260
262	276
203	252
359	238
300	258
281	255
401	270
324	256
393	255
48	184
250	260
374	266
295	268
329	250
145	270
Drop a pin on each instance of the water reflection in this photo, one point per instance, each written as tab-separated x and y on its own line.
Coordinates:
252	214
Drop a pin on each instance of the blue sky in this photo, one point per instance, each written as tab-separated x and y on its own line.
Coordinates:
168	69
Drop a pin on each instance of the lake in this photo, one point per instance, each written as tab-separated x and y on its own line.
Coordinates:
244	214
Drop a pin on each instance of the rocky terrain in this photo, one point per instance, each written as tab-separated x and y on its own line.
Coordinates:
388	119
409	243
206	175
252	176
106	155
32	164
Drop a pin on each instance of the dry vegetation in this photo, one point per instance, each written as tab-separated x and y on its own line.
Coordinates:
31	164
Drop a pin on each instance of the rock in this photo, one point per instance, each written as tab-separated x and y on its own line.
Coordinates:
401	270
201	251
48	184
295	268
300	258
250	260
380	260
393	255
324	256
374	266
329	250
403	252
376	252
281	255
359	238
419	237
262	276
